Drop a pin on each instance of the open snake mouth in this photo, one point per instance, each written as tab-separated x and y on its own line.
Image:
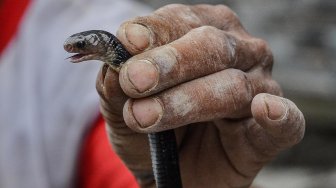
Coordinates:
80	57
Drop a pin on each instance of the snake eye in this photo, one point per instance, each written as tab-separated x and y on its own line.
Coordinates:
80	44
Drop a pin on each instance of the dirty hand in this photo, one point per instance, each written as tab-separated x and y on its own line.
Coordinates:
196	70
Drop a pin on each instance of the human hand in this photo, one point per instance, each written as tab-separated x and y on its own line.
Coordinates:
196	70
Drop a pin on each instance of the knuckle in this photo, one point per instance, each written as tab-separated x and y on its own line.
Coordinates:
210	36
230	17
265	52
260	44
231	47
240	88
273	87
220	8
170	7
219	45
225	9
204	30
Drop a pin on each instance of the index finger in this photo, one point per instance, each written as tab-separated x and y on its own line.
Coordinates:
173	21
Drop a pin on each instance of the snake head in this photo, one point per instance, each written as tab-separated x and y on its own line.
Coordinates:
88	45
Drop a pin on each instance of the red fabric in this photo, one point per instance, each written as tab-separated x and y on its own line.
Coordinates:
11	12
99	166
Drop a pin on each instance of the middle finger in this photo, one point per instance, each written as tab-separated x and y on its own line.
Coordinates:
226	94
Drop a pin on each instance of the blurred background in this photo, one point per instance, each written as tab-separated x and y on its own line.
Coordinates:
302	36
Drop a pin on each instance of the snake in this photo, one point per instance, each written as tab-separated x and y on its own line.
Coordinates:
103	46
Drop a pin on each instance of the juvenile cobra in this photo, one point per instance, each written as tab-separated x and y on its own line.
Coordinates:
104	46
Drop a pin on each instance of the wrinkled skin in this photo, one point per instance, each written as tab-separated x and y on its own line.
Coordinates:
196	70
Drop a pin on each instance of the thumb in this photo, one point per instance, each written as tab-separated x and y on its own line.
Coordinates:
280	118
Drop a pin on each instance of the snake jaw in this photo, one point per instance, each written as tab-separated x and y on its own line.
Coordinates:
81	57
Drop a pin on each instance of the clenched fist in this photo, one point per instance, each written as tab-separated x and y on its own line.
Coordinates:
196	70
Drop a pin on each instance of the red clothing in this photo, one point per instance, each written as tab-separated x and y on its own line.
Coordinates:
99	166
11	12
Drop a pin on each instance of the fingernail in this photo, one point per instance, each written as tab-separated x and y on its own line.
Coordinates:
147	111
276	108
138	36
143	75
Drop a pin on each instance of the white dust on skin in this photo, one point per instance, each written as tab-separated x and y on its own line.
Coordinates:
182	103
231	45
189	17
219	88
220	91
165	59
